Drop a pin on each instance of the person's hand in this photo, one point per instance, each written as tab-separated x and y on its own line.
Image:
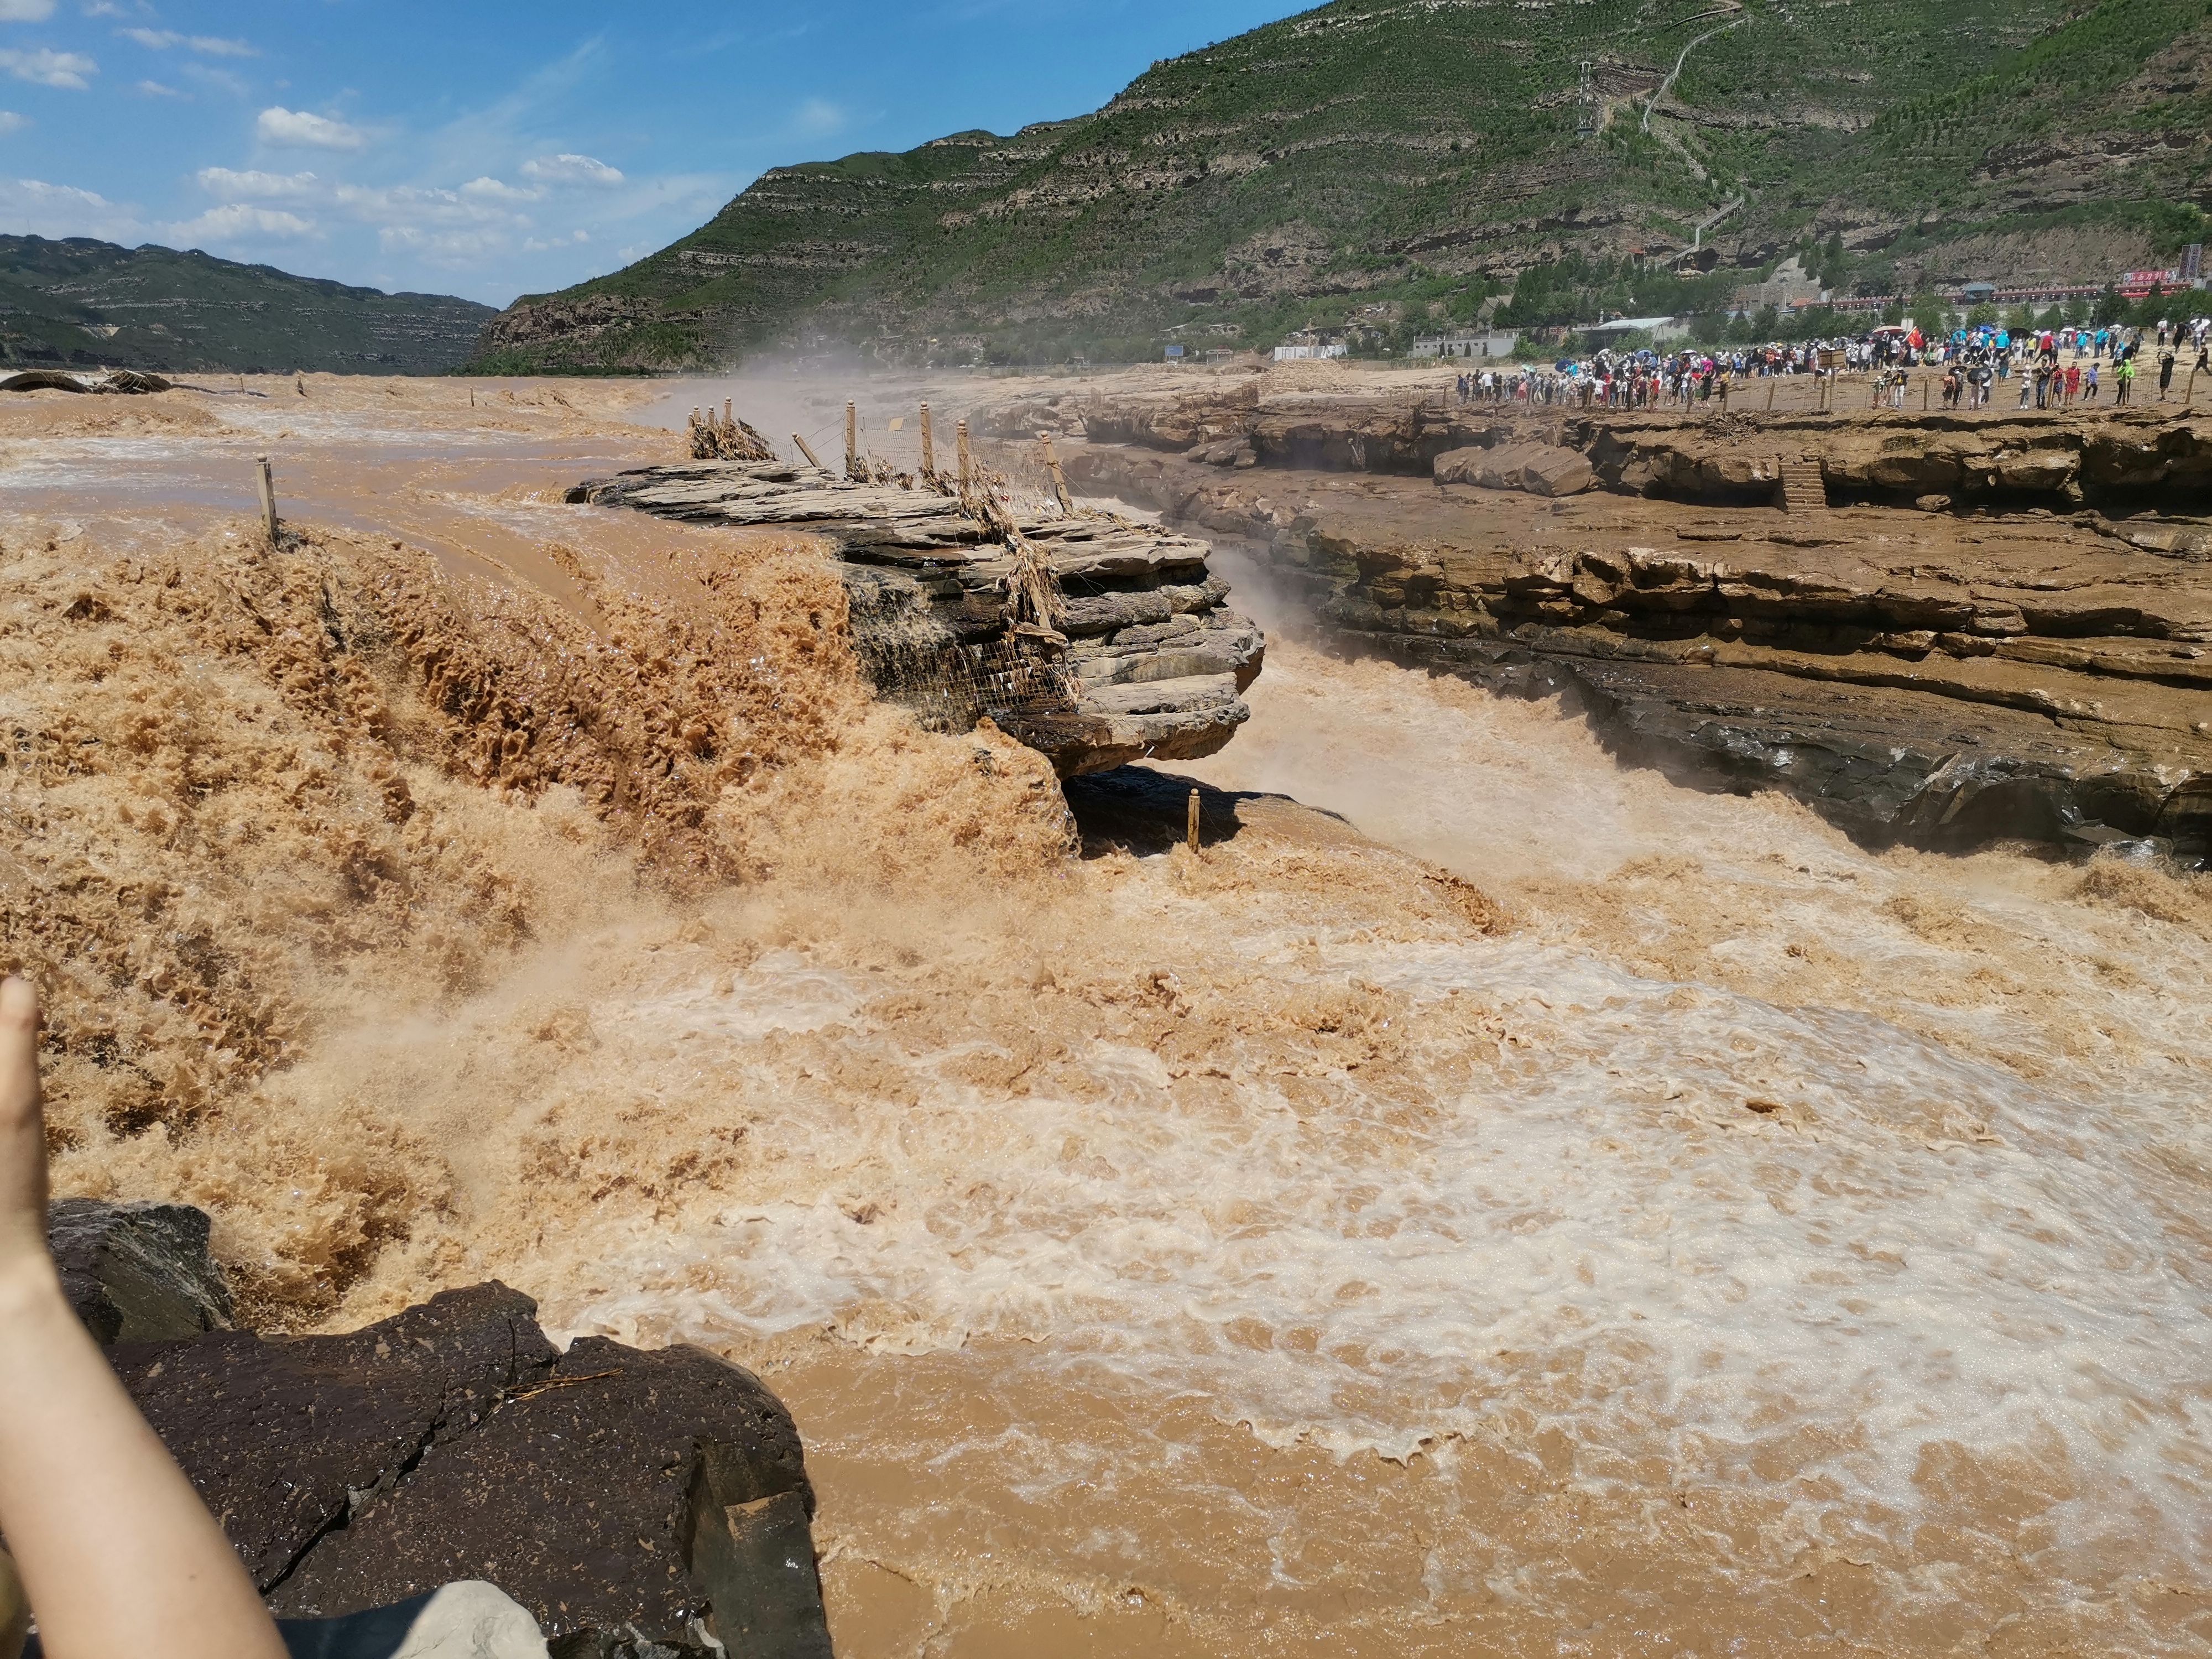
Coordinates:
116	1552
23	1133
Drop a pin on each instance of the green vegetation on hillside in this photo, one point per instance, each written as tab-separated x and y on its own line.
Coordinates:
83	304
1390	170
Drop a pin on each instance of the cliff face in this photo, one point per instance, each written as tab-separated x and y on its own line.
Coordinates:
1972	630
2140	457
1396	159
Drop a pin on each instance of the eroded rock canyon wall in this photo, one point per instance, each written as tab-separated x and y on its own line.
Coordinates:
1937	629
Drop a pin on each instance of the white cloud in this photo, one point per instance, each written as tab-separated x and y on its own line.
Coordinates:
410	215
491	189
32	207
49	69
299	130
207	75
235	221
817	117
458	248
266	186
26	12
211	46
11	122
156	89
568	169
410	204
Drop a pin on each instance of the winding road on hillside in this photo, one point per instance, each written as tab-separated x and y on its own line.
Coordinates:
1667	85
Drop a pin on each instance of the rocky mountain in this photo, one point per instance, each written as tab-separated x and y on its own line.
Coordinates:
1398	163
82	303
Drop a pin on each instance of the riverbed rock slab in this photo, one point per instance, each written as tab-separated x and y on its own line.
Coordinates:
1538	468
572	1496
453	1442
284	1439
138	1272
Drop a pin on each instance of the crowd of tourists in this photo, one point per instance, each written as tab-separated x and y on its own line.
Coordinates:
2053	367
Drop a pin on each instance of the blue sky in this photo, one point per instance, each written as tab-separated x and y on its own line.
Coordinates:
491	148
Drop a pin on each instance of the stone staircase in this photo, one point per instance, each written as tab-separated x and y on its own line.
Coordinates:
1804	489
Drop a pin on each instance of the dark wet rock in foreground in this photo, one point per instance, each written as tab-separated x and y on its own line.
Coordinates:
615	1494
138	1272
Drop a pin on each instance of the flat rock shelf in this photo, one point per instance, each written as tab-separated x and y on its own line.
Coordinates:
1149	660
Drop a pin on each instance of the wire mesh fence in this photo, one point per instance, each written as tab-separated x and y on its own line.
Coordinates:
913	658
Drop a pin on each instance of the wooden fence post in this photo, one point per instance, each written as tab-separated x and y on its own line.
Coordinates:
811	459
268	499
966	466
1193	820
852	440
928	445
1059	478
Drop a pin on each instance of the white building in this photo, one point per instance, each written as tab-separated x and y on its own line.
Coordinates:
1492	344
1293	353
1659	328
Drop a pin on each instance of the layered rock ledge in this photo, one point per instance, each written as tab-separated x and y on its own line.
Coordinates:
1153	663
2141	459
1938	630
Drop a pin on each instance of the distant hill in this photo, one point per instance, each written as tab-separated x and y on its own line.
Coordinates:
80	303
1401	161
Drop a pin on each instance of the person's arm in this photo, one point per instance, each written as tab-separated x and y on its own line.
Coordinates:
117	1553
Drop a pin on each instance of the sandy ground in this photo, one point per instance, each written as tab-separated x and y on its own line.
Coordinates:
1542	1209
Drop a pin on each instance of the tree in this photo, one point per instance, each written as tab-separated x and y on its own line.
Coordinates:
1830	268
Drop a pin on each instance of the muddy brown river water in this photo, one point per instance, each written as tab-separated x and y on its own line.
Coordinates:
1723	1240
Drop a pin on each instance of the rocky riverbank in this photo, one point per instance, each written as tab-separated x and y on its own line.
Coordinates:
1951	629
2143	459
